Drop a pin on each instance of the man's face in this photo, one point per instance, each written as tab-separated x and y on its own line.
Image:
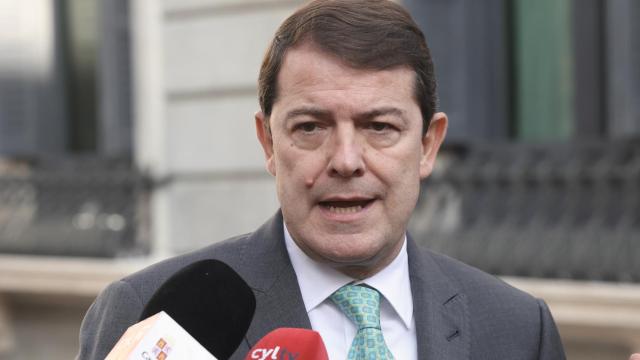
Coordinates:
347	151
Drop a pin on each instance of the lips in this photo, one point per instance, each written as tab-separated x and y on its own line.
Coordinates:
345	206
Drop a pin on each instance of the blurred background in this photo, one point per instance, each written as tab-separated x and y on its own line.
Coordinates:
126	136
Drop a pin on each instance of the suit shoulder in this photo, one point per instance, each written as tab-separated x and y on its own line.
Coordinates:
148	279
494	307
478	283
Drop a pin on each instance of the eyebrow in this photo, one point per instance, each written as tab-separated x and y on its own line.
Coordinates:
309	111
324	114
382	112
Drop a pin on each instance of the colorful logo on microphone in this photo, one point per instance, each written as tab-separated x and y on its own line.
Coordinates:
161	349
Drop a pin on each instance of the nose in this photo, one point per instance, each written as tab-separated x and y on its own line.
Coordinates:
346	158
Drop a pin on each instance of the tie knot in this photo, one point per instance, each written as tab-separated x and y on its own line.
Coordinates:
360	304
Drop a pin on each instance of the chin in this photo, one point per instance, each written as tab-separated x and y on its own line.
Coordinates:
357	269
353	257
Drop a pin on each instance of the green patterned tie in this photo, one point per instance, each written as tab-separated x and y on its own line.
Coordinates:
361	305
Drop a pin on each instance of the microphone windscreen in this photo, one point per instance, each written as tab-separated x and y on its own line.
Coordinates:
289	343
210	301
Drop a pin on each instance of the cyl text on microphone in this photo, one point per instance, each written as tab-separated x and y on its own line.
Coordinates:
273	354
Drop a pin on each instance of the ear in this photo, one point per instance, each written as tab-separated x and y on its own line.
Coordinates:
263	131
431	142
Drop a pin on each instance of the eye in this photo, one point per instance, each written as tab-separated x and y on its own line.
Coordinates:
310	134
307	127
380	126
382	133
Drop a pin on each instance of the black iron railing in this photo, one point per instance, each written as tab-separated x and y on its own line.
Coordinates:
72	207
570	211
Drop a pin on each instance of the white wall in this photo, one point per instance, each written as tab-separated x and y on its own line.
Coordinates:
196	65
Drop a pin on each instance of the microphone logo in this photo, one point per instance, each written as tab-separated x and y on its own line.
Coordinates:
160	351
289	344
275	353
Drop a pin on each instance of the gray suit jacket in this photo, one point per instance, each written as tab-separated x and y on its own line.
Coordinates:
460	312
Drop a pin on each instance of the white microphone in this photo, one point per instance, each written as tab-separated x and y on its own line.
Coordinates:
158	337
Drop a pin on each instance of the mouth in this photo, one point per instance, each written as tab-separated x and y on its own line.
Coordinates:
345	206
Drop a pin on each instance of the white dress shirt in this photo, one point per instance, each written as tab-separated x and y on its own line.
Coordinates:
318	281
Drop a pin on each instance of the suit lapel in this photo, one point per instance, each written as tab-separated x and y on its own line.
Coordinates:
439	308
270	274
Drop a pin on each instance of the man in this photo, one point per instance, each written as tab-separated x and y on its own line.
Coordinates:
349	128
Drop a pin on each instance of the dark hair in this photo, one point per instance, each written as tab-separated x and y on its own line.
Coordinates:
368	34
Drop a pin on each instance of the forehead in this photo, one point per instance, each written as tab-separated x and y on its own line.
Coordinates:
308	71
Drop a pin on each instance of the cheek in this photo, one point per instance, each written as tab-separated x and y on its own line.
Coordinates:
403	192
399	167
285	157
284	160
300	166
401	177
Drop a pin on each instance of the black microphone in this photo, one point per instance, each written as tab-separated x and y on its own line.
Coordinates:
210	301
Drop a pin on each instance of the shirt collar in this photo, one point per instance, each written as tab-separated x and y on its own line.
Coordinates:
318	281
